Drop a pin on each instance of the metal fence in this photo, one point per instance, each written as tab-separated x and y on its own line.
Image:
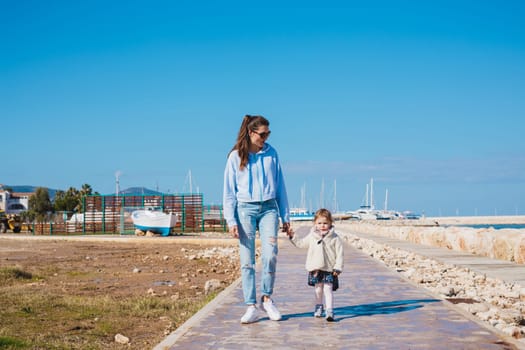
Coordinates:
111	214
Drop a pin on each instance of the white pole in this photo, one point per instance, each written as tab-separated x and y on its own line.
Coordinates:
366	196
191	185
117	189
303	196
335	196
371	193
322	194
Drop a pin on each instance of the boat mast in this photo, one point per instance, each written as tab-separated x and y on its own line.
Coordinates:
191	185
303	196
322	194
117	183
335	197
366	196
371	193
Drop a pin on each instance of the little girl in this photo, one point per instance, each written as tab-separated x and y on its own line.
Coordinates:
324	260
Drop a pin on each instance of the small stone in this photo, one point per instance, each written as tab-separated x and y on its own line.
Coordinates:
121	339
211	285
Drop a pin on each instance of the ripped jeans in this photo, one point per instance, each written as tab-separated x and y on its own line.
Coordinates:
265	217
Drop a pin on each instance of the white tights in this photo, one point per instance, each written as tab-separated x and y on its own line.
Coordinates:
326	289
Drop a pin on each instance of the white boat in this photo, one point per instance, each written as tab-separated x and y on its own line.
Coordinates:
301	214
388	215
366	211
363	213
154	221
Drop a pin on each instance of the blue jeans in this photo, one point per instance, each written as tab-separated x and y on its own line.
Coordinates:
265	217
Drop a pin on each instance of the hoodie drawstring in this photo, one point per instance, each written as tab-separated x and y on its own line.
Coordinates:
261	179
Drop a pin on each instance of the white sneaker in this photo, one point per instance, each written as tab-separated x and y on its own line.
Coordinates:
318	312
250	315
330	315
271	310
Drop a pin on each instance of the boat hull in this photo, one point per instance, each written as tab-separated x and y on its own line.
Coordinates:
301	214
154	221
301	217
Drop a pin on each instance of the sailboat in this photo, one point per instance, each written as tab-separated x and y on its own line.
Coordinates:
366	211
336	214
301	213
386	214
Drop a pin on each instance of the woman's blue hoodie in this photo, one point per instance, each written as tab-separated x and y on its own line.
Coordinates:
262	179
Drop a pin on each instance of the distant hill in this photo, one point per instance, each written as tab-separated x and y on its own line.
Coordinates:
133	191
139	191
30	189
22	188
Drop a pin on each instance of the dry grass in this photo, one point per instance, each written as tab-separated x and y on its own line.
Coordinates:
54	299
34	319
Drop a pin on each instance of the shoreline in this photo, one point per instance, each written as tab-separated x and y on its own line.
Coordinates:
443	221
478	220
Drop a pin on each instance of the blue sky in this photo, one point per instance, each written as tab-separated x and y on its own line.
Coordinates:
425	97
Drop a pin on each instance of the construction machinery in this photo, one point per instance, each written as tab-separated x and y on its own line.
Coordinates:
11	222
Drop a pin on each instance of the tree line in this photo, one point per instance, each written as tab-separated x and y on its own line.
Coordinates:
41	207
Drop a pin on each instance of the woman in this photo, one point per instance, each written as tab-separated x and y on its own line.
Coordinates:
254	198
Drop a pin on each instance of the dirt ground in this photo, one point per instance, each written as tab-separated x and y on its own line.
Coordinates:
172	268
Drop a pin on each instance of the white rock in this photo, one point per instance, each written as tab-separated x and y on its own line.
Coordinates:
513	331
211	285
121	339
500	304
477	308
510	316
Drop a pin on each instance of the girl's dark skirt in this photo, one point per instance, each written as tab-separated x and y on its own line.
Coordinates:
319	276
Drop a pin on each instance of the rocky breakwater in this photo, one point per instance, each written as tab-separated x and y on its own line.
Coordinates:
503	244
494	302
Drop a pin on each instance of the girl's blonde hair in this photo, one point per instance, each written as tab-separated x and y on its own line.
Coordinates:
325	213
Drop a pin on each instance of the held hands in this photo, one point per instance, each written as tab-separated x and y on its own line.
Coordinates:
234	231
287	228
336	272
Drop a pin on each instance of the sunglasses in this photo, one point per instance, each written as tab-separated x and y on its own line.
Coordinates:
263	134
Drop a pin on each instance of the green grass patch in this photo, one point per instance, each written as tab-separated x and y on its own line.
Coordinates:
10	343
78	273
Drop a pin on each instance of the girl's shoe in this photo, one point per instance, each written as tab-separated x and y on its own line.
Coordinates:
318	311
330	315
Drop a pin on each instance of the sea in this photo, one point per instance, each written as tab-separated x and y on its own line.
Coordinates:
494	226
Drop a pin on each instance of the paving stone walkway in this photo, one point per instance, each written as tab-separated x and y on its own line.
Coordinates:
375	308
